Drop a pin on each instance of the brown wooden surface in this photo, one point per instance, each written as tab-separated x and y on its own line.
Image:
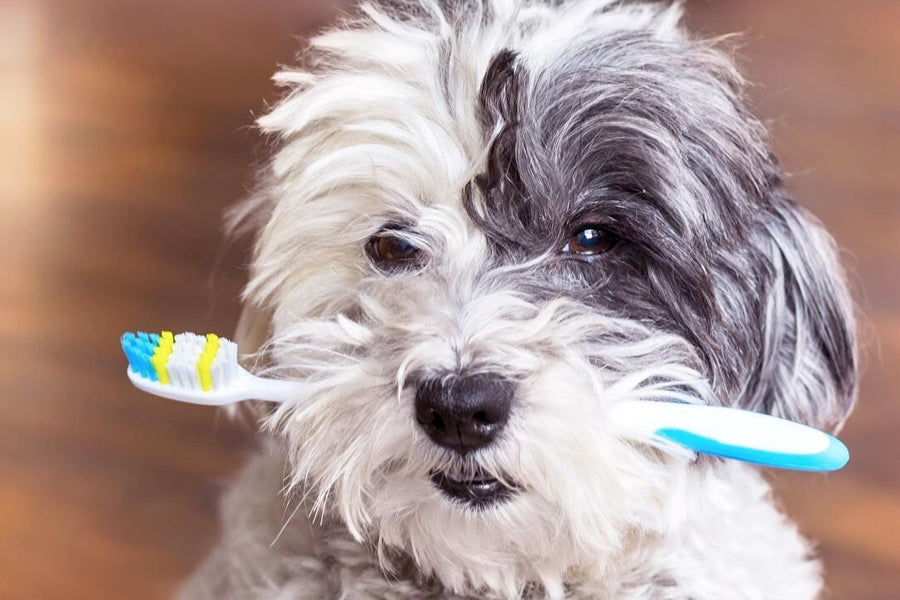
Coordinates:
123	134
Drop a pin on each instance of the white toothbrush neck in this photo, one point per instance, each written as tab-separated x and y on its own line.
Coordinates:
269	390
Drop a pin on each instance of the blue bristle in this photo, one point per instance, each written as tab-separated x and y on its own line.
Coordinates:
133	361
127	338
151	372
139	348
146	353
136	353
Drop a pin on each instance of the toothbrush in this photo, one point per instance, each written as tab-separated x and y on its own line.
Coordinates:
732	433
205	370
197	369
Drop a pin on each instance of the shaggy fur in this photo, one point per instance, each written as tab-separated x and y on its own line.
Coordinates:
485	134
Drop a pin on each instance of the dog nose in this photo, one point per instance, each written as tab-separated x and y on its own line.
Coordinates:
463	413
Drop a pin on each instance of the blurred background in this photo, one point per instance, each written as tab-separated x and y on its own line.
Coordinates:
125	129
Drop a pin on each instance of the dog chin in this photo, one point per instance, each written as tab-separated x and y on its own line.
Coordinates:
473	536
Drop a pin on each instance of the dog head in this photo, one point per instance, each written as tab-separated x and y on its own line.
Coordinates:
486	224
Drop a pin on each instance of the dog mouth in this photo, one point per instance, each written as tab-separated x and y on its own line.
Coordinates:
480	491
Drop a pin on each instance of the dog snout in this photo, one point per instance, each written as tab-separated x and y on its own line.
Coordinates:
463	413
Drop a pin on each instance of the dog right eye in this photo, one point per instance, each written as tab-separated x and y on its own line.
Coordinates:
391	253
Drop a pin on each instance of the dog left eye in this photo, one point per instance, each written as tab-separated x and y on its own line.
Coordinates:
391	253
589	241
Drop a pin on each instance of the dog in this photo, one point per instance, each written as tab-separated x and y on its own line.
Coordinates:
484	224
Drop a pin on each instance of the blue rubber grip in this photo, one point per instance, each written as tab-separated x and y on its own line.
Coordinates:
832	458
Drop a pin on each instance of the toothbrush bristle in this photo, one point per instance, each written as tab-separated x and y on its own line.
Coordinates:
185	360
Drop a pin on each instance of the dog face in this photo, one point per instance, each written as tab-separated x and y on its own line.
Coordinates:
484	225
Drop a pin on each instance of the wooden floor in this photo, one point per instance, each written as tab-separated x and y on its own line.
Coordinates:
123	134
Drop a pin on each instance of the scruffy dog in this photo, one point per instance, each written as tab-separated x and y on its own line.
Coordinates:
486	222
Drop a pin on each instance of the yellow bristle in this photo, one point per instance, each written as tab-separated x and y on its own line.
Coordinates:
212	345
205	361
205	374
159	365
159	360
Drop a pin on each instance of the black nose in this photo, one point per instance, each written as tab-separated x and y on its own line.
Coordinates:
463	413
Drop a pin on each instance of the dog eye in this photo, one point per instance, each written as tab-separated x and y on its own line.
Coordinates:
391	253
589	241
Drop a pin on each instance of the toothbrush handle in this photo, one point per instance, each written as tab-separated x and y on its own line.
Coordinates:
735	433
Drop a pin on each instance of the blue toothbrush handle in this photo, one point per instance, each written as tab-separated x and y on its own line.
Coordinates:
733	433
833	457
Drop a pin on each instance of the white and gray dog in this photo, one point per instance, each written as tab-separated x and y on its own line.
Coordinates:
485	223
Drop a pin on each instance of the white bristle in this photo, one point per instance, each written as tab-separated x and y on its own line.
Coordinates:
183	360
224	365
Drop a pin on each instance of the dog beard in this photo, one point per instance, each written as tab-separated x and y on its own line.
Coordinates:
436	170
357	451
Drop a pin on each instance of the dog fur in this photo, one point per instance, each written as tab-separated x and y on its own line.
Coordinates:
484	133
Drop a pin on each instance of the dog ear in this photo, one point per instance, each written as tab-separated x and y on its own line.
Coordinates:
807	368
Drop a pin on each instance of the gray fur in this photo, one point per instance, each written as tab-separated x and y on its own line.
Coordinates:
652	139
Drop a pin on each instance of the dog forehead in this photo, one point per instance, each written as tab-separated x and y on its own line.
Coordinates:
419	89
513	128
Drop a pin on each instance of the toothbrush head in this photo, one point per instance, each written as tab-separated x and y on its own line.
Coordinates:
195	368
186	360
